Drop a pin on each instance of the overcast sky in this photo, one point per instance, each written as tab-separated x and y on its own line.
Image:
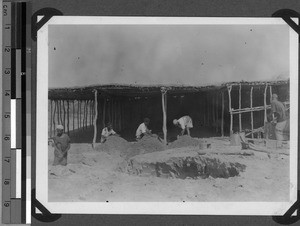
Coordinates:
81	55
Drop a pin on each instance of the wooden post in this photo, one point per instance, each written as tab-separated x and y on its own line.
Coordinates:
56	102
240	107
78	122
73	115
229	100
68	116
83	117
217	112
271	94
222	123
80	114
251	105
95	120
64	109
104	111
50	118
54	116
164	99
265	103
213	108
60	112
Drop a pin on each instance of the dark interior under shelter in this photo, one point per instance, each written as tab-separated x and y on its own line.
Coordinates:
215	110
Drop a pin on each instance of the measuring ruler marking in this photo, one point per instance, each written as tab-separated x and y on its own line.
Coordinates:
6	75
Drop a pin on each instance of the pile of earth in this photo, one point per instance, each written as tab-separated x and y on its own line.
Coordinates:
114	145
147	144
185	141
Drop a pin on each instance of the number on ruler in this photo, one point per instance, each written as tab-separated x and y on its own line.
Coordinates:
4	10
6	182
6	204
6	115
7	49
7	159
7	71
7	138
7	93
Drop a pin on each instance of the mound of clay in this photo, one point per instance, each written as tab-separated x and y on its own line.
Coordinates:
185	141
114	145
146	145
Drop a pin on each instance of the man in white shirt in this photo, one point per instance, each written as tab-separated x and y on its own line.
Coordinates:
106	132
142	130
185	123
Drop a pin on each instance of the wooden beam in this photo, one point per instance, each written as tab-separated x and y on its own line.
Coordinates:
164	99
229	105
95	120
222	122
251	105
240	106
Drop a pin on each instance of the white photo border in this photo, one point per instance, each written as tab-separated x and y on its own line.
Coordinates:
160	208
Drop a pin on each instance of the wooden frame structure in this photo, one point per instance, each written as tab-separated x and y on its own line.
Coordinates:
78	108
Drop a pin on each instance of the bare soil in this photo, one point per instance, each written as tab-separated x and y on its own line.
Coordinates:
106	173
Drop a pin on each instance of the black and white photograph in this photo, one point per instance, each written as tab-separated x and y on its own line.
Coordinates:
152	115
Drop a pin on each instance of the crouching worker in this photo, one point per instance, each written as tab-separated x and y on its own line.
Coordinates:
61	144
185	123
143	130
107	131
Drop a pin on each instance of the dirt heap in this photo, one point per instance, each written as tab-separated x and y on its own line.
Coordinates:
179	163
147	144
185	141
114	145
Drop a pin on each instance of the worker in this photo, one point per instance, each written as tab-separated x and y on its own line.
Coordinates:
143	130
279	117
185	123
61	144
107	131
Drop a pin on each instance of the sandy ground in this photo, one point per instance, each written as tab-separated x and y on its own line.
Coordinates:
94	175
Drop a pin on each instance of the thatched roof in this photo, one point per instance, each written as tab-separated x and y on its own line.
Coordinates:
118	90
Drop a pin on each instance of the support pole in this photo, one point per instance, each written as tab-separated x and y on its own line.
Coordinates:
73	115
78	122
68	116
164	99
251	105
104	111
54	117
56	103
240	106
50	118
64	110
80	114
95	119
229	100
265	103
217	113
271	94
60	112
222	123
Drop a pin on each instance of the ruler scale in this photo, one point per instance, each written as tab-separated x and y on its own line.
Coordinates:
14	149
